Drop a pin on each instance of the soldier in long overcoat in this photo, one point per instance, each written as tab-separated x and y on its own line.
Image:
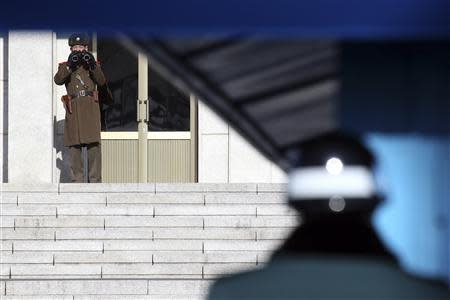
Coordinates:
80	74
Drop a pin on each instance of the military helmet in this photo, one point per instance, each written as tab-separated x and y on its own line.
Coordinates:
78	39
333	173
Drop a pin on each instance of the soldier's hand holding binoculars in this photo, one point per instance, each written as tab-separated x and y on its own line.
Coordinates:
74	59
78	57
89	59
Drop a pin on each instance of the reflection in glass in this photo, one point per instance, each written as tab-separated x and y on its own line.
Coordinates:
169	107
121	70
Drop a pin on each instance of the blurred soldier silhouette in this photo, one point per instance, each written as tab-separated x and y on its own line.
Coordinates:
335	253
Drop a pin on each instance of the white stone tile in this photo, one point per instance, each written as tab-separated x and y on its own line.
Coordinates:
274	233
206	234
246	163
150	222
126	297
178	257
5	247
209	122
245	198
273	188
178	287
107	187
53	222
276	210
6	221
252	222
236	246
205	210
123	245
77	287
147	198
35	297
211	271
35	131
28	210
123	257
83	271
27	234
213	158
103	210
24	187
27	258
65	198
58	246
206	187
103	234
152	271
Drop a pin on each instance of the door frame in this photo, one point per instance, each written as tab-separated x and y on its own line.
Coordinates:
143	135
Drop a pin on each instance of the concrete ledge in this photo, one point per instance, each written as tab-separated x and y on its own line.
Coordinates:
241	198
205	187
29	188
60	222
107	187
214	271
178	287
236	246
77	287
181	245
47	297
145	187
58	246
138	297
79	271
169	198
27	258
272	188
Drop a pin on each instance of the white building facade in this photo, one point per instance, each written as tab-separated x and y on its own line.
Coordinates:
32	123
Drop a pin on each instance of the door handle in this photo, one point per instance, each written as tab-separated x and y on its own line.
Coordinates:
147	110
138	113
147	105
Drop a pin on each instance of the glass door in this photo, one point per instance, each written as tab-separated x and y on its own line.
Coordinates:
149	132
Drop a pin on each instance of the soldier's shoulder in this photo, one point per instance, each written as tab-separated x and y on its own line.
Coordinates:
63	63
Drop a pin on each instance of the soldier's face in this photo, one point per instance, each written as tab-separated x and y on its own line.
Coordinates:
79	48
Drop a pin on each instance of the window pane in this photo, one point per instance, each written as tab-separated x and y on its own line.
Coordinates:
169	107
121	70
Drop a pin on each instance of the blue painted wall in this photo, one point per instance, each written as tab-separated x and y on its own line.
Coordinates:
397	95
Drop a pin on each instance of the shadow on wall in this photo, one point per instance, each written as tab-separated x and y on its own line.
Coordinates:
62	152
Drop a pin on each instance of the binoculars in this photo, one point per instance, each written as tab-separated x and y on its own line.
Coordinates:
80	57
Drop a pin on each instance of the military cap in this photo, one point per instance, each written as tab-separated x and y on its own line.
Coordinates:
78	39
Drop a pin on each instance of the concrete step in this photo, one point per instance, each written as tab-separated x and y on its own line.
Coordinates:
152	257
52	222
135	241
137	233
147	210
108	288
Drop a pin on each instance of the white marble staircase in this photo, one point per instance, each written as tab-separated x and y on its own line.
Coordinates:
135	241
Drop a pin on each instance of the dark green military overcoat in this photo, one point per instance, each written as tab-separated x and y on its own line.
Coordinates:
82	126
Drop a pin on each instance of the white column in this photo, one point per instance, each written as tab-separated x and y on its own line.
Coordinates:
2	98
62	165
30	97
213	146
